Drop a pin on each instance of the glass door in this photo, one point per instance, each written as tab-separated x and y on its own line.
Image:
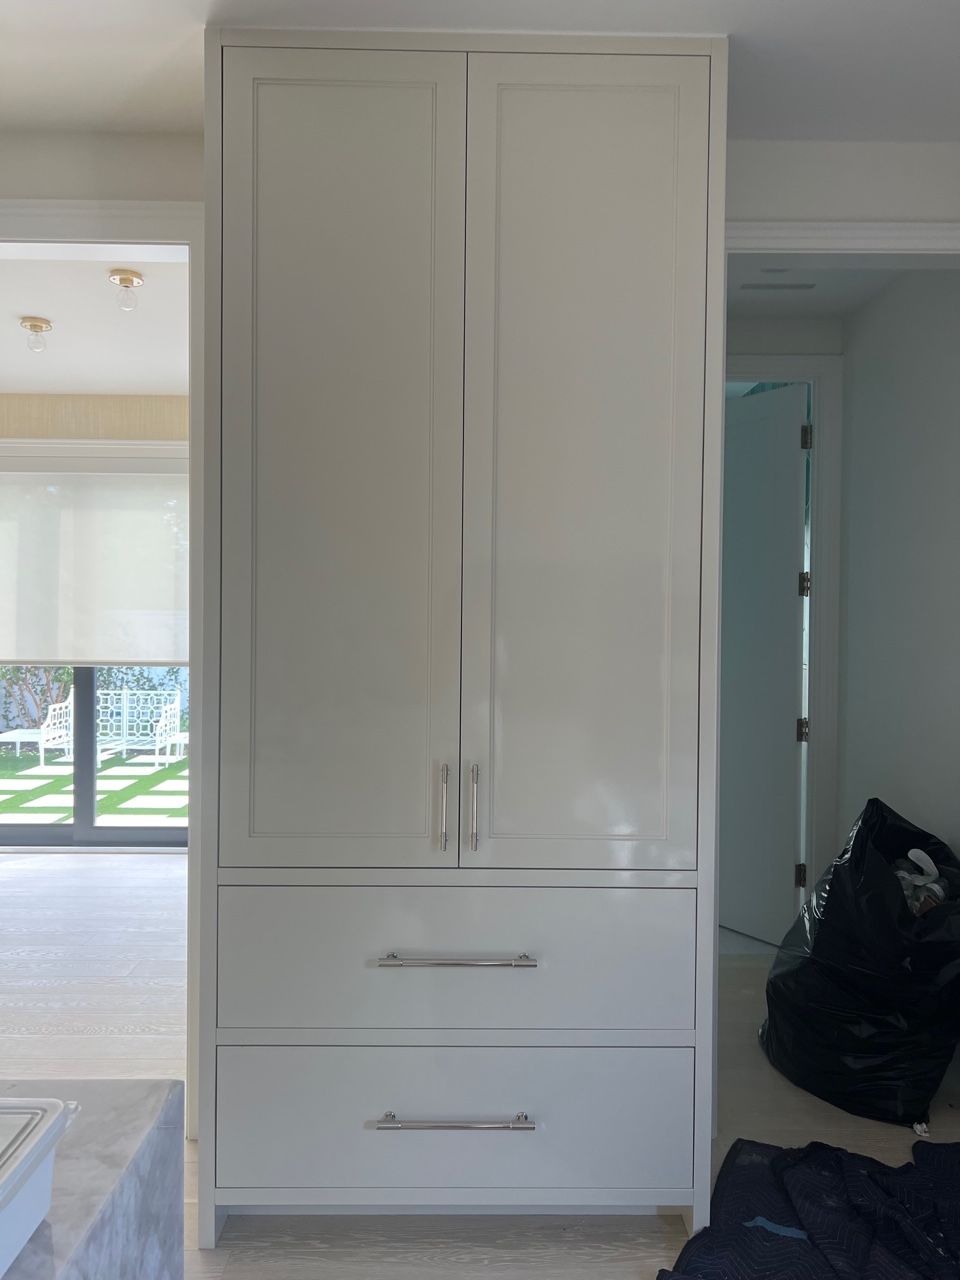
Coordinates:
94	736
37	786
94	756
141	740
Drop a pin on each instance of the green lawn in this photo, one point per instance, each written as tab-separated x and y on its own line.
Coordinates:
112	804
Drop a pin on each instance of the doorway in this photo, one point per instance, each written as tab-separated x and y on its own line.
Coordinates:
765	655
822	320
94	658
871	336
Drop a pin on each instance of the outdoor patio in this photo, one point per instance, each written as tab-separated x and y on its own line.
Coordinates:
130	793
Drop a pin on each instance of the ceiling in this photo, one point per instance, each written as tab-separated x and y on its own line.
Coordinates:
94	347
833	69
798	285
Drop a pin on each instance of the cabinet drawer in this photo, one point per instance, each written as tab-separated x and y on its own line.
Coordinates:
310	957
307	1117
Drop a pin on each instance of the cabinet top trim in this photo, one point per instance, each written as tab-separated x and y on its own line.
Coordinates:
468	41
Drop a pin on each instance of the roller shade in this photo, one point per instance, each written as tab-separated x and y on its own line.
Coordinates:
93	565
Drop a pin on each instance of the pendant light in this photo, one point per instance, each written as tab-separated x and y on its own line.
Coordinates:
36	327
127	281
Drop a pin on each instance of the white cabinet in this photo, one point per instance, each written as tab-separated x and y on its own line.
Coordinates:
466	308
381	957
616	1119
572	427
586	260
343	215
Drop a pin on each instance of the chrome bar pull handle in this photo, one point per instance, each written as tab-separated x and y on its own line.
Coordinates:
444	779
521	1123
474	787
392	960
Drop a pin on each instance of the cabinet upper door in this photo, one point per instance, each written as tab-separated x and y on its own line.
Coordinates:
586	286
343	208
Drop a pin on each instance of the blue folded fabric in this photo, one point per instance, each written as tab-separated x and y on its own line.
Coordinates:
823	1213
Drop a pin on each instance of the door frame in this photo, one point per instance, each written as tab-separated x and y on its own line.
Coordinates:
811	236
154	222
825	373
842	237
825	376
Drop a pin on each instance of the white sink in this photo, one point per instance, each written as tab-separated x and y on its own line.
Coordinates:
30	1129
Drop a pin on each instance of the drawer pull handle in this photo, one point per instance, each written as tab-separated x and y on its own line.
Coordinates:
394	961
444	779
521	1123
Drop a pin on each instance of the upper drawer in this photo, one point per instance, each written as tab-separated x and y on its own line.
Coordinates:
605	958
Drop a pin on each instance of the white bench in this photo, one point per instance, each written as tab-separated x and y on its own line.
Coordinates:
139	720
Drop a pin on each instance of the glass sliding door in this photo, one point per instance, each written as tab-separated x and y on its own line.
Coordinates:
142	737
94	690
99	754
36	750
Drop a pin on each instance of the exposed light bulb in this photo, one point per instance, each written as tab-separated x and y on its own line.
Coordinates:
128	282
36	327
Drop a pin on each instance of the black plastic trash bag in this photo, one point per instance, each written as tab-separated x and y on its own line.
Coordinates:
863	1000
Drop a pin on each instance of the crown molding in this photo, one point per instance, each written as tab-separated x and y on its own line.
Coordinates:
843	237
98	457
148	221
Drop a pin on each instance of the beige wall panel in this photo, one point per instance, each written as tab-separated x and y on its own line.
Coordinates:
31	417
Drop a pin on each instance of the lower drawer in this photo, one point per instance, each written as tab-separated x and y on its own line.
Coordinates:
308	1117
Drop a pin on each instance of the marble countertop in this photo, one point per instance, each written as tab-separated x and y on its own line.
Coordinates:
117	1208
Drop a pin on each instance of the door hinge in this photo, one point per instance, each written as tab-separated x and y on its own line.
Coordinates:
800	875
803	729
805	583
806	436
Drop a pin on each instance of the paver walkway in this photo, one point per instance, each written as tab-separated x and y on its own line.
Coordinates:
130	793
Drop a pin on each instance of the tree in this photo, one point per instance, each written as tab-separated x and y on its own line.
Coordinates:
139	677
27	693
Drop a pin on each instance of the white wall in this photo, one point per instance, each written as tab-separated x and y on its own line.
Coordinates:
880	181
843	181
785	336
101	166
900	628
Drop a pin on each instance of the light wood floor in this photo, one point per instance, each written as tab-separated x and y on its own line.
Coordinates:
92	983
92	965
